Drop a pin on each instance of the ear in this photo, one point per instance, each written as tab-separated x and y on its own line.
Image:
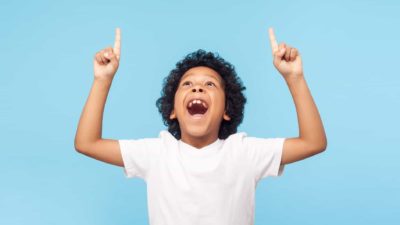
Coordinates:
226	117
172	115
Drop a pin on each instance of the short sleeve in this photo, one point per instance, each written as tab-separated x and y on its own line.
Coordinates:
137	156
265	155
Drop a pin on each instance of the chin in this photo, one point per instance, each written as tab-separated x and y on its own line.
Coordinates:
198	132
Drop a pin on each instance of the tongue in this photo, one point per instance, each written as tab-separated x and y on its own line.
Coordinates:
197	109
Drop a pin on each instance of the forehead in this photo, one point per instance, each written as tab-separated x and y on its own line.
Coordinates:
202	71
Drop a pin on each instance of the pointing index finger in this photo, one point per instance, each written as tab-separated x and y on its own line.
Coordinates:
272	39
117	42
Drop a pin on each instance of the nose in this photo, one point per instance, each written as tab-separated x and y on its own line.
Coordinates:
197	89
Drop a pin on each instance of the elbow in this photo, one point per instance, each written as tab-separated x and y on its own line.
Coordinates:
317	146
84	147
322	148
325	143
78	147
321	145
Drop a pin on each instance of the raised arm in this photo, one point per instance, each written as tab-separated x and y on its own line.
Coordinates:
88	138
312	139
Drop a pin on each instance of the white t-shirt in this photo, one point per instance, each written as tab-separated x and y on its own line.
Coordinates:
214	185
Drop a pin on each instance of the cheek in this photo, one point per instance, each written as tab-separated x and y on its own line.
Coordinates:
220	102
178	99
222	98
175	104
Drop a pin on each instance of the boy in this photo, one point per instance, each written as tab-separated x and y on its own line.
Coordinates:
200	171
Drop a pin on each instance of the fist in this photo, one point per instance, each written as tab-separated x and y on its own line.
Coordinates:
106	61
287	59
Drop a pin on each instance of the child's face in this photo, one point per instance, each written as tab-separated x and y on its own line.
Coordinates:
199	104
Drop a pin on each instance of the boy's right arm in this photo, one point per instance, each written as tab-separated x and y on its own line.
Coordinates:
88	138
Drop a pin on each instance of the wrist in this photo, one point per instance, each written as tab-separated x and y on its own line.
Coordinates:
294	79
102	80
102	83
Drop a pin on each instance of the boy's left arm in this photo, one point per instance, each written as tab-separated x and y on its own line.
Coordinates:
312	139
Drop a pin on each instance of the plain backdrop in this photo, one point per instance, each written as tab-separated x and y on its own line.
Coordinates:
350	53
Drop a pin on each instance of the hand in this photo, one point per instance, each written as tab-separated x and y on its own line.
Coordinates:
287	59
106	61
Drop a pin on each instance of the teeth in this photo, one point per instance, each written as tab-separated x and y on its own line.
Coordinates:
197	101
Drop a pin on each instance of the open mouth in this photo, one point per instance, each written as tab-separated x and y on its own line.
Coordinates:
197	107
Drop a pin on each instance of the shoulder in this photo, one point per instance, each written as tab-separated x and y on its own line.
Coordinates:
242	139
235	141
239	136
143	143
164	140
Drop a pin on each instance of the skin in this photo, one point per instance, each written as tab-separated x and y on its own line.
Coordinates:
286	59
206	84
312	139
88	138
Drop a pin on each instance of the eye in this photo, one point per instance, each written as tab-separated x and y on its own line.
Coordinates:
186	83
210	84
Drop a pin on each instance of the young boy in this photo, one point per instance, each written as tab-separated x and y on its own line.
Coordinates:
200	171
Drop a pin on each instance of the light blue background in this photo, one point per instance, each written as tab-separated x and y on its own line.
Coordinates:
350	53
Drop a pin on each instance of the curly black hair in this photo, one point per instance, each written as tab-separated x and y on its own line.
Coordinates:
233	88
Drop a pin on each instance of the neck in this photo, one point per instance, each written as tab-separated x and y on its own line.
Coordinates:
198	142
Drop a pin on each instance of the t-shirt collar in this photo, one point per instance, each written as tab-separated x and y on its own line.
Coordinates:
204	151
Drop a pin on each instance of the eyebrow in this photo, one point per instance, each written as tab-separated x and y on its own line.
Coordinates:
208	75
